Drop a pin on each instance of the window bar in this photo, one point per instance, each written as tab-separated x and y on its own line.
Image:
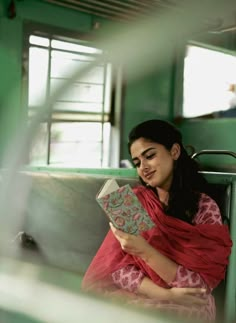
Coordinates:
49	122
103	111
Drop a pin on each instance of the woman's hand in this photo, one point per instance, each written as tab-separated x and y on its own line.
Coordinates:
178	295
132	244
138	246
187	295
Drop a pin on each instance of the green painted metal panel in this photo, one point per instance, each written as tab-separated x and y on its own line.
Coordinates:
211	134
219	177
124	172
230	297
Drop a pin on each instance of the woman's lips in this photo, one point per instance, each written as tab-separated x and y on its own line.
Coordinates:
149	175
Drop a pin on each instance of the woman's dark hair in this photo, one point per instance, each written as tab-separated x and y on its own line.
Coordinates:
187	182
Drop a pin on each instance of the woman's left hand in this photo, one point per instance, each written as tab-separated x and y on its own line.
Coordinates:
132	244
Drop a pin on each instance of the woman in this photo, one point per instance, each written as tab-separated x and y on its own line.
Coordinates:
174	266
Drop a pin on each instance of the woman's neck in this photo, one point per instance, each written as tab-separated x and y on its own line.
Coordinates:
163	195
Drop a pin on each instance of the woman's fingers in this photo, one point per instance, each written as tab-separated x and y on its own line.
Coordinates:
116	232
185	295
195	291
125	239
197	300
119	233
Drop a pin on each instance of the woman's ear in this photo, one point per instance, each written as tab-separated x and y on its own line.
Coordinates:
175	151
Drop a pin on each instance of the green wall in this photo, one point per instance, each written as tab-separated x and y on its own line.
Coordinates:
145	99
10	84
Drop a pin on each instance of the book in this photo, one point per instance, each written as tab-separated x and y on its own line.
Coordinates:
123	208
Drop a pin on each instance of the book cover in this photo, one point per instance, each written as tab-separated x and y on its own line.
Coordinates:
123	208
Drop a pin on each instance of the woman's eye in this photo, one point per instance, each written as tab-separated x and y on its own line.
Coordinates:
136	165
150	156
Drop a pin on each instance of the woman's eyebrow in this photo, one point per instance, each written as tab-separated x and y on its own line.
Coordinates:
143	153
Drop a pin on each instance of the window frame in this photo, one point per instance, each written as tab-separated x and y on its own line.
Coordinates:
214	113
65	116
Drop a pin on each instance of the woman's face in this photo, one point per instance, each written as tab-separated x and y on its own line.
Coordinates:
154	163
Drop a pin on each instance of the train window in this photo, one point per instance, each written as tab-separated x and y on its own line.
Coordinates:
209	83
78	129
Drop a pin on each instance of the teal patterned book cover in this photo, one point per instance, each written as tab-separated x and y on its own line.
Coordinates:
123	208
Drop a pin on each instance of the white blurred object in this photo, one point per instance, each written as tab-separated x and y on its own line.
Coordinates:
24	293
232	101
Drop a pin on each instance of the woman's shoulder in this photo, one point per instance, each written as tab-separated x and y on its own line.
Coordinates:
139	188
208	211
145	193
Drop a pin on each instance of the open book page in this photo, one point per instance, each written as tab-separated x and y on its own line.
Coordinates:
109	186
123	208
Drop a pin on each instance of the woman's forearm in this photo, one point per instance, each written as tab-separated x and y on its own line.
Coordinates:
162	265
148	288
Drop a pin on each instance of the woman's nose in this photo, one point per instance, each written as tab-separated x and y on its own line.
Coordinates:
143	165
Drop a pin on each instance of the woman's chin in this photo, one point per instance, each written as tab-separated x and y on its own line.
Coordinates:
151	184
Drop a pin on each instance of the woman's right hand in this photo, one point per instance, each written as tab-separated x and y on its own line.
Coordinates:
188	295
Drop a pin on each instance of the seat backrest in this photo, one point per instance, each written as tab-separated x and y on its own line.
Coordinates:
221	193
64	218
223	190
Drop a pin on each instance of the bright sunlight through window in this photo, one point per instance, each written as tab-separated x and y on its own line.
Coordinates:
208	76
